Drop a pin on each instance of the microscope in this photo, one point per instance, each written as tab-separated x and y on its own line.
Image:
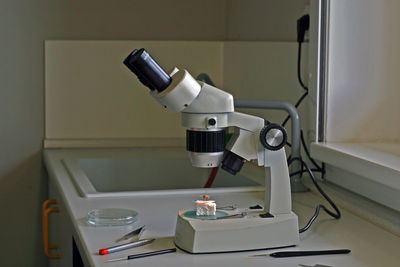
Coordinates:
206	113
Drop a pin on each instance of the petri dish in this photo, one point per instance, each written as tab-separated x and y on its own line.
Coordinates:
111	217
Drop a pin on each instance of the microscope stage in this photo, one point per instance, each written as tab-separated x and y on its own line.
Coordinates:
250	232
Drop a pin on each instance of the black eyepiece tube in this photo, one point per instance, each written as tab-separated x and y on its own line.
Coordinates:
147	70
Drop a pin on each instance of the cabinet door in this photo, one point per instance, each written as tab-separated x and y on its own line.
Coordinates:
60	231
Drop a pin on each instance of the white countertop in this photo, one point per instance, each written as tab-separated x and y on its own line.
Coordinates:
371	245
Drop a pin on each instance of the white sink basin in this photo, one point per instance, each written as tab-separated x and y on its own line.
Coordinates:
169	172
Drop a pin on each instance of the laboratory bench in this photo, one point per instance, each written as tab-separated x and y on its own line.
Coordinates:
372	243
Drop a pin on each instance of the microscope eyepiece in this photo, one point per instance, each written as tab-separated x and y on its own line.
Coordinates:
148	71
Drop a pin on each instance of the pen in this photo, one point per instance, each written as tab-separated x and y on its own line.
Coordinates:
134	244
147	254
284	254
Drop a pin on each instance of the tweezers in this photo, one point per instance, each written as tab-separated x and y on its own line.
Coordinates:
238	215
137	232
230	207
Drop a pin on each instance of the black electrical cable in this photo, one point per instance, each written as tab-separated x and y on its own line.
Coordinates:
300	81
304	166
303	171
299	68
318	168
323	171
299	101
308	153
296	105
336	215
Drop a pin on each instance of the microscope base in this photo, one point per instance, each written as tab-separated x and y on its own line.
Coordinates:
236	234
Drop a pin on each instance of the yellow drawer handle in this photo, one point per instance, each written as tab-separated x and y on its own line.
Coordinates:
45	228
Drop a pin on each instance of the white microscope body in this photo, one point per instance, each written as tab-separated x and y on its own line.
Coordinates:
206	113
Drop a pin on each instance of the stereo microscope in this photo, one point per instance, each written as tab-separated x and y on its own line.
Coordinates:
206	113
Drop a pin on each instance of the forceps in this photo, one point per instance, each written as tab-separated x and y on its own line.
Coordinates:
238	215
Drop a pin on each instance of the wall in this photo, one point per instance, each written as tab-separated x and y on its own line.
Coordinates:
109	103
24	26
263	20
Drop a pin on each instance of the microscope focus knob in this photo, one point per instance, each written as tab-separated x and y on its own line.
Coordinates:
273	137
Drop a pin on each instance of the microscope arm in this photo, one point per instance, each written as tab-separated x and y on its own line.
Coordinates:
277	182
245	140
245	143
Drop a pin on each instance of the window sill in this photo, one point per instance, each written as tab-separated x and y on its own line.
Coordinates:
371	169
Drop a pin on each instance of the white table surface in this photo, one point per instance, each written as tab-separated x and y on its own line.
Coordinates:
371	245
